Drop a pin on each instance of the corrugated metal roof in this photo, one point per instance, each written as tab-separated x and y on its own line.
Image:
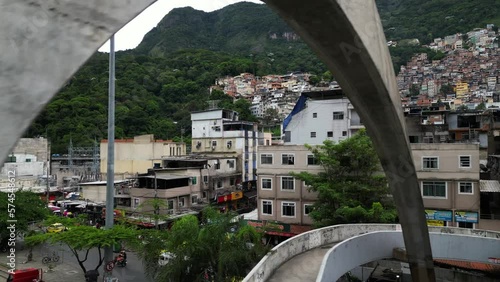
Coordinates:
485	267
489	186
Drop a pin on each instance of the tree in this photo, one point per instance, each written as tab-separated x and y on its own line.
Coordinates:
83	238
481	107
446	89
350	189
414	90
217	246
25	207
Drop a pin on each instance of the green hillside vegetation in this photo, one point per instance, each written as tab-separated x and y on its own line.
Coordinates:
168	75
426	20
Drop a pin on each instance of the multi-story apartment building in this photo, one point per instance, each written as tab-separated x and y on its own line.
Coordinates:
137	155
220	133
281	197
319	116
449	183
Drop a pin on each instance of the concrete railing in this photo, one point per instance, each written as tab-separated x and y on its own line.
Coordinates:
307	241
333	234
374	246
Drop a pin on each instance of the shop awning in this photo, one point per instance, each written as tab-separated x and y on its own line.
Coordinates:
489	186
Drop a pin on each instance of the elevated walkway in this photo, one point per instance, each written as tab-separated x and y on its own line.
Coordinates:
297	258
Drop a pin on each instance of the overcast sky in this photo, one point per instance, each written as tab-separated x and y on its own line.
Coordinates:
131	35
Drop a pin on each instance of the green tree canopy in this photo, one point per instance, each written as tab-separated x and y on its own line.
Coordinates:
25	207
350	189
217	246
84	238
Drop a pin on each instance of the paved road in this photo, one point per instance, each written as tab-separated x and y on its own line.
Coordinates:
68	269
301	268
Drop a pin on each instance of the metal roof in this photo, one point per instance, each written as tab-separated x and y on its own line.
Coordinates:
489	186
165	177
101	182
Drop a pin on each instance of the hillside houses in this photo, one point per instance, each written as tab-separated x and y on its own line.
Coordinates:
471	72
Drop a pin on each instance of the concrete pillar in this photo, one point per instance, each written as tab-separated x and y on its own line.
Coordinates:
347	35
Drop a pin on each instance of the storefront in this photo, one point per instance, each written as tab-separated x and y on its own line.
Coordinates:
229	202
466	219
439	217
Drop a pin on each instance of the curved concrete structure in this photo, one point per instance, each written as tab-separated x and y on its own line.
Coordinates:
43	43
348	36
379	245
279	256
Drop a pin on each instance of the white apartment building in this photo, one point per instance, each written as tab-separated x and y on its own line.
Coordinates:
319	116
219	132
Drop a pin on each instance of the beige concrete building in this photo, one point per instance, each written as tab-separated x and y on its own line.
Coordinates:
139	154
448	174
281	197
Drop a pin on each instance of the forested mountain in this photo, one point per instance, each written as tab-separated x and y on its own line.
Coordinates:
428	19
167	76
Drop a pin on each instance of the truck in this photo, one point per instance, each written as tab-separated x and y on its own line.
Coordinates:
26	275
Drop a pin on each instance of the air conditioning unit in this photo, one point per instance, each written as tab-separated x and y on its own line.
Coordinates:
213	148
181	204
198	145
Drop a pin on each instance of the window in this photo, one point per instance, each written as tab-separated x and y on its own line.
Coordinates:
287	159
194	180
229	144
329	134
214	143
230	163
217	165
219	183
308	208
344	133
204	195
170	204
194	199
434	189
267	207
266	159
287	183
313	134
267	184
315	115
430	163
466	188
464	161
205	179
288	209
28	160
216	128
311	160
338	115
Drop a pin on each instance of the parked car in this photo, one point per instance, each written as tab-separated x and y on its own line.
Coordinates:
56	228
26	275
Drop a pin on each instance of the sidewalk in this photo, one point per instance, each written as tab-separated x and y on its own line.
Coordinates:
63	270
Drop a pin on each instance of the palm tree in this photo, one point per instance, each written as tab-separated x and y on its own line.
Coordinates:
218	248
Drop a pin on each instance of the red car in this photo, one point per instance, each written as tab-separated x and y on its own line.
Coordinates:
26	275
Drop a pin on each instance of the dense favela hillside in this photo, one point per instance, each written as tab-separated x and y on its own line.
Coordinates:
169	74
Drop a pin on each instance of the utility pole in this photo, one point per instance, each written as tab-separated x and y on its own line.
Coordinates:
156	201
48	168
110	187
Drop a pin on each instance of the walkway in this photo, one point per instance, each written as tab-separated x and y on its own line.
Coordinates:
301	268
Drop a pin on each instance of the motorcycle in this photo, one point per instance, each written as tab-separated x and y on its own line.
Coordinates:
121	261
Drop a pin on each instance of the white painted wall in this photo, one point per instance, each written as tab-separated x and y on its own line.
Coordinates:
304	123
